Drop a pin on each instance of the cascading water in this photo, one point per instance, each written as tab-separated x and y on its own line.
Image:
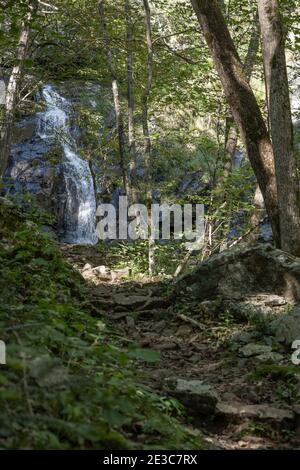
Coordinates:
79	205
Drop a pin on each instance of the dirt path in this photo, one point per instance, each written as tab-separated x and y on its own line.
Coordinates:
201	350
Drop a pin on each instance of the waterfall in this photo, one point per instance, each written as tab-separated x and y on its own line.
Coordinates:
79	205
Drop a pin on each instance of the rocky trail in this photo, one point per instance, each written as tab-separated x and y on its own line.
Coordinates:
225	354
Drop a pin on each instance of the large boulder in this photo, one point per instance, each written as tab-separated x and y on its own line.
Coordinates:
242	272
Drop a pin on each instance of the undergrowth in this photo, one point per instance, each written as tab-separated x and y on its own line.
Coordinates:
66	384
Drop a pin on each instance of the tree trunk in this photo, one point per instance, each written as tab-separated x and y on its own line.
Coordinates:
279	106
232	139
13	87
244	106
2	103
146	133
130	101
116	97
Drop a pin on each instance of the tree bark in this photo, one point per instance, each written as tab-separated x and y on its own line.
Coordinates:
146	133
131	103
13	86
232	135
279	106
244	106
2	103
116	97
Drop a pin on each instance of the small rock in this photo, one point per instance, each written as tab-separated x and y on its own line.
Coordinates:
101	269
160	374
234	410
254	349
270	357
184	330
245	336
160	326
48	372
195	358
87	267
275	301
168	346
229	396
119	273
138	301
199	397
130	322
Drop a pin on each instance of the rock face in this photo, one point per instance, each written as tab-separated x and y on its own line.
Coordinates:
243	272
45	162
29	167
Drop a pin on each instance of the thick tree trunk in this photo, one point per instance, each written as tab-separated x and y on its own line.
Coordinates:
116	97
130	100
281	124
232	136
244	106
13	87
146	133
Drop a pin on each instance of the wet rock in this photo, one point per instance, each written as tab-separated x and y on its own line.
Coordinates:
235	410
286	329
197	396
254	349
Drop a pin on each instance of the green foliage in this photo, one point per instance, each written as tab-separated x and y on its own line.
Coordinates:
66	383
134	255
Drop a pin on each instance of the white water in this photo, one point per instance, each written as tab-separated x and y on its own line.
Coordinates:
79	212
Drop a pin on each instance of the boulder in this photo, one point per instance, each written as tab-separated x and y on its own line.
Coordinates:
241	272
197	396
